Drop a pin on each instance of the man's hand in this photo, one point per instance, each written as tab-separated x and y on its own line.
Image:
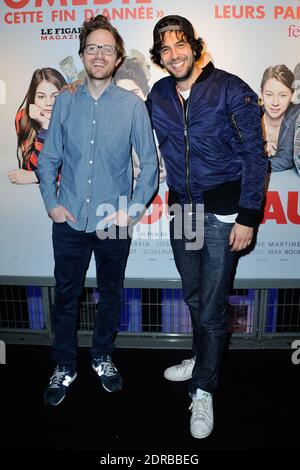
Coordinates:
22	177
120	218
240	237
60	214
72	87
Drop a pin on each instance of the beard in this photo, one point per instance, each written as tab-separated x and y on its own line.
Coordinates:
186	76
102	73
96	77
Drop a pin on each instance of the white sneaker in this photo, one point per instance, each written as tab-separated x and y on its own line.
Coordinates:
181	371
202	419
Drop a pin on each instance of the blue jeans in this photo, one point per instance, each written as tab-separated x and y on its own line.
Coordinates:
72	253
206	276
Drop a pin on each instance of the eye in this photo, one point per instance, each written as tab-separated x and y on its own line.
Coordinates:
91	48
108	49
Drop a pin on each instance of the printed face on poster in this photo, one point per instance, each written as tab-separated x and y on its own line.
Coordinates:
40	55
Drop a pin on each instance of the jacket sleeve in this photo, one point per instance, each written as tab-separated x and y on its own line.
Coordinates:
143	143
50	159
245	119
32	163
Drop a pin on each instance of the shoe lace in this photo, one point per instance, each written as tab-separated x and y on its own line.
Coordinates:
107	369
185	364
199	409
57	377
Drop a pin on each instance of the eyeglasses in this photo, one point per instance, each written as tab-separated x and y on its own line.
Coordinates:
106	49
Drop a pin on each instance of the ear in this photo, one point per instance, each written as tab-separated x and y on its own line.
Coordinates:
81	57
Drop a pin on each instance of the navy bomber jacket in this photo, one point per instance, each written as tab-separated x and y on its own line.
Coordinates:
213	146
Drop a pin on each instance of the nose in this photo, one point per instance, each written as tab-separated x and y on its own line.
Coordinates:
275	101
99	51
49	100
174	53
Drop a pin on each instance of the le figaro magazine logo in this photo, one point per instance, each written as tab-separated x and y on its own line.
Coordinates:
59	34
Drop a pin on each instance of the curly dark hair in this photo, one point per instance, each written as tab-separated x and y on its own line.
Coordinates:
101	22
196	44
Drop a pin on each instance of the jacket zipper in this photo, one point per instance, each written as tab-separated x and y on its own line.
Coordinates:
187	149
235	126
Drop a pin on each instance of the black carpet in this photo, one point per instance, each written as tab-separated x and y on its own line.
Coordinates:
256	406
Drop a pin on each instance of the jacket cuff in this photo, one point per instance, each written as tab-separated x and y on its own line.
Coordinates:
248	217
50	205
42	133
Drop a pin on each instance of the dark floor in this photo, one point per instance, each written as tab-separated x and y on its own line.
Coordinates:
256	406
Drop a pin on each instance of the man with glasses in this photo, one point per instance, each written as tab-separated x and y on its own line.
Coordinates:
90	137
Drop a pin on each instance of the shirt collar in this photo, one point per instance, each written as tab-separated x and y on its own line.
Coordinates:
109	90
206	72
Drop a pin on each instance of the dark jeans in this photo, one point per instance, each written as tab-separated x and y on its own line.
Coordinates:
72	253
206	275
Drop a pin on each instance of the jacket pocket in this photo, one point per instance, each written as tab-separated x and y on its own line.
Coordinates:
236	130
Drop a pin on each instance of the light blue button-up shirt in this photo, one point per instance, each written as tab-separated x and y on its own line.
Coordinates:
91	140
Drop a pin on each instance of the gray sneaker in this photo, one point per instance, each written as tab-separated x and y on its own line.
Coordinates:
202	419
180	372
